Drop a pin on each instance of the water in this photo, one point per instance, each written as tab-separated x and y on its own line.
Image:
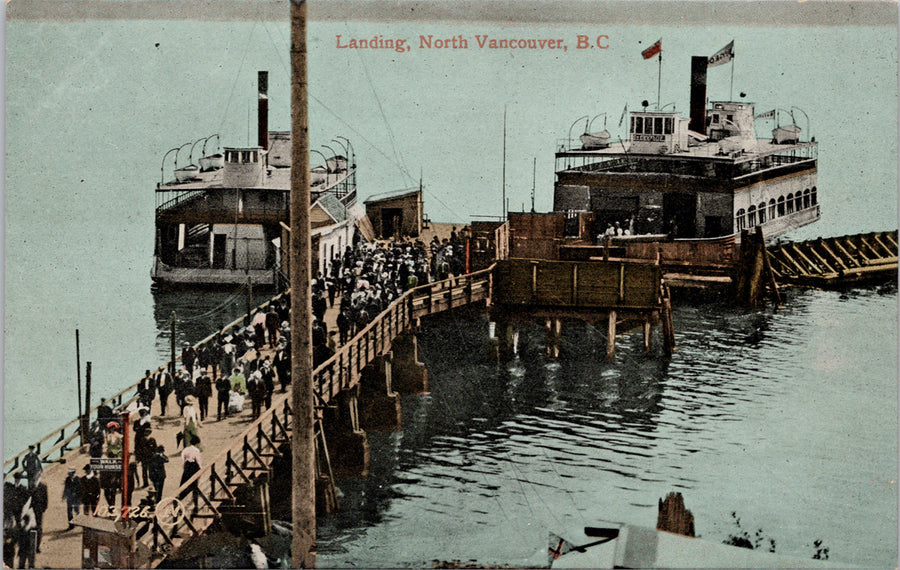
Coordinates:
770	415
789	419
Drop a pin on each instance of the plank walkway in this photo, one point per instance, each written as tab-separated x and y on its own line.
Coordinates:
61	548
237	444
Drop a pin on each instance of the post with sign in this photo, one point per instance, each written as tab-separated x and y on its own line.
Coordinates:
125	462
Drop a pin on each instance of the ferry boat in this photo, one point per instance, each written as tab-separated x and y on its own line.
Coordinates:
706	176
221	223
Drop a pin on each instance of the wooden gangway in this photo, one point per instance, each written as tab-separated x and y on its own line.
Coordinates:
242	451
836	261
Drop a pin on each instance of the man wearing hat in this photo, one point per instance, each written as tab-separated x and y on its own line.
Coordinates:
31	463
204	393
72	495
188	357
90	490
104	413
37	491
147	388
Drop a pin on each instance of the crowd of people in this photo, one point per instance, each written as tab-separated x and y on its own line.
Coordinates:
362	282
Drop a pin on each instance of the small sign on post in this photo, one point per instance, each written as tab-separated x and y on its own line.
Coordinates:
106	464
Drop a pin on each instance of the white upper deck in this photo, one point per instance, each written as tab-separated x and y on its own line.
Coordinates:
729	137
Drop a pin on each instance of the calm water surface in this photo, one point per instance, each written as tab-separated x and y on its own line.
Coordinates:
776	416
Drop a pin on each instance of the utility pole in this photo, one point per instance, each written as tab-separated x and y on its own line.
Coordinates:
303	542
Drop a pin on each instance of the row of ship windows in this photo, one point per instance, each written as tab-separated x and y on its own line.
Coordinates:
241	156
652	125
756	215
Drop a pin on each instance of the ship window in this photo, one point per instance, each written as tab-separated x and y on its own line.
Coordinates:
798	201
715	118
729	118
634	124
790	203
751	216
762	212
658	126
639	125
772	209
812	196
739	218
669	125
806	198
254	156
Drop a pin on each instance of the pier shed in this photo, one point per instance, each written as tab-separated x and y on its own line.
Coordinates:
396	213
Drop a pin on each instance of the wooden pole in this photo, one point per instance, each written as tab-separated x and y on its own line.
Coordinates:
78	379
303	472
87	393
172	346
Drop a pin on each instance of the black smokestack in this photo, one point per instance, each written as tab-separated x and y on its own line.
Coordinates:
698	94
262	116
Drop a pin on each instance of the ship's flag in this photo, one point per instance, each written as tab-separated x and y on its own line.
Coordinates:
653	50
768	115
624	111
724	55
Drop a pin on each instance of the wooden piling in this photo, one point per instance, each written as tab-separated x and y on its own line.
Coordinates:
611	337
674	517
648	333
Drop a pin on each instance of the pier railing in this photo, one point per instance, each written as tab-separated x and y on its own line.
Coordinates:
63	443
256	448
341	370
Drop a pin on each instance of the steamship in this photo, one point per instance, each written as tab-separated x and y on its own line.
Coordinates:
221	222
698	178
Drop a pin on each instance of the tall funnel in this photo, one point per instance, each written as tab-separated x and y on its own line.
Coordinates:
262	117
698	94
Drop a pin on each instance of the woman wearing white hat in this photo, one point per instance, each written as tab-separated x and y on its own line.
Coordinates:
191	422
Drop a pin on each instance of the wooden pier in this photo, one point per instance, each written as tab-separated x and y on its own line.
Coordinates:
622	295
354	390
836	261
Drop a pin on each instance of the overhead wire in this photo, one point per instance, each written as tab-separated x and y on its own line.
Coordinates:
237	75
397	160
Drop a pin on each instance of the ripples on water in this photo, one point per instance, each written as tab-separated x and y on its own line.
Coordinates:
750	415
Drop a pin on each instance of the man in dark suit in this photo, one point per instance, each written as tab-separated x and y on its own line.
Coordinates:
37	490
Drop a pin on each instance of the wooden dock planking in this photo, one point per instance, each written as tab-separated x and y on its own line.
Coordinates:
839	260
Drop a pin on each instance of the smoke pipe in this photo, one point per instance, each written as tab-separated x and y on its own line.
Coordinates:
698	94
262	117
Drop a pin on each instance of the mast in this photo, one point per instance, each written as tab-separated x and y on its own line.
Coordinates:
533	180
659	80
303	542
504	164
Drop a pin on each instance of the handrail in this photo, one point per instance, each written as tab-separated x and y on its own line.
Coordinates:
61	444
182	197
388	315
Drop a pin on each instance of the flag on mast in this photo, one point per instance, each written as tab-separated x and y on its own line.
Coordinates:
622	118
767	115
724	55
653	50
